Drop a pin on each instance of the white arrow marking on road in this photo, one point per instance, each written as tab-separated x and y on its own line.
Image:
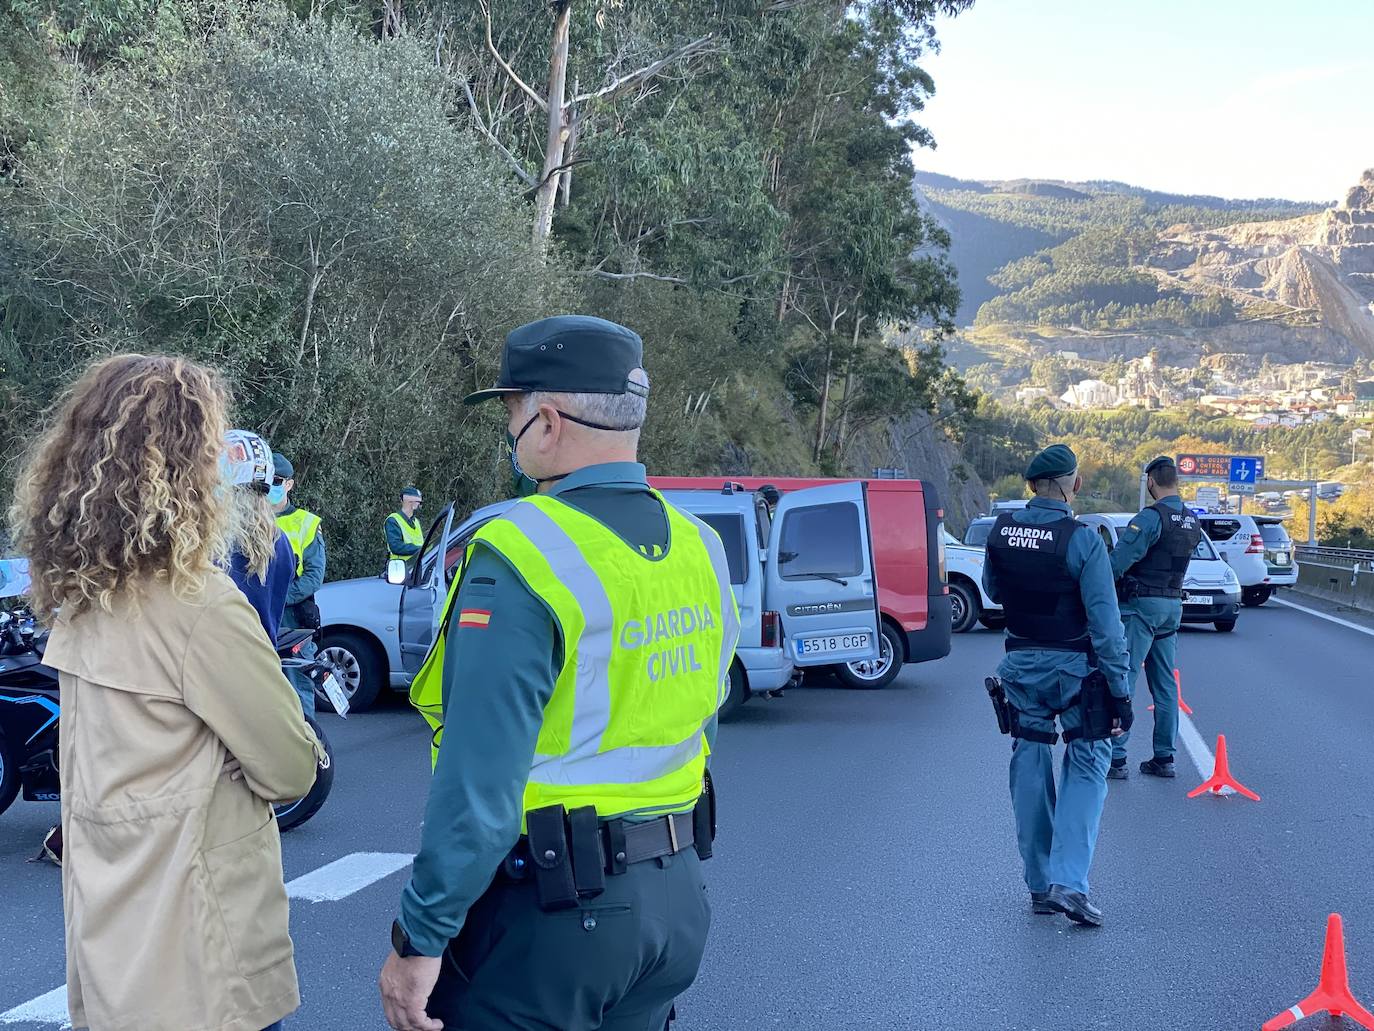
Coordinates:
330	883
46	1009
343	877
1323	615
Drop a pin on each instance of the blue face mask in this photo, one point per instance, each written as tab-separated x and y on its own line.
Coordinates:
277	494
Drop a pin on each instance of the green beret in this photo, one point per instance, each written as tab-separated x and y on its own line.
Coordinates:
1162	462
1055	461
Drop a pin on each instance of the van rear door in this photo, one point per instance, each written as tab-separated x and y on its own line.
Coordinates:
422	599
820	575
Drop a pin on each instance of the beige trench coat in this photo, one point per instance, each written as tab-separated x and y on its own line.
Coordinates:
176	915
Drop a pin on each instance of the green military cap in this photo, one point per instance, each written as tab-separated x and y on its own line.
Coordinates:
1161	462
568	354
282	467
1055	461
410	492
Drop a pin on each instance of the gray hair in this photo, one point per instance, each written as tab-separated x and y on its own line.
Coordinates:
1051	485
626	412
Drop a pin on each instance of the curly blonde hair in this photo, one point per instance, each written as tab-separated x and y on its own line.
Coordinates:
125	485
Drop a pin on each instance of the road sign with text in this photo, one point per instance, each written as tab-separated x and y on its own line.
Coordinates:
1245	473
1205	467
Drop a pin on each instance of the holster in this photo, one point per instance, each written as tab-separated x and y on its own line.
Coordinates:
588	855
1127	588
704	819
550	853
1001	708
1095	705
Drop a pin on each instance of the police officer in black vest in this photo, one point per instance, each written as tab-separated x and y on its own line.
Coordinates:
1066	661
1150	563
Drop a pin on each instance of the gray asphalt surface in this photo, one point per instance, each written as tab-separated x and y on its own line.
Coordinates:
866	874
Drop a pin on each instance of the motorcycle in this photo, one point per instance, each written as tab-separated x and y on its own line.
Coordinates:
30	711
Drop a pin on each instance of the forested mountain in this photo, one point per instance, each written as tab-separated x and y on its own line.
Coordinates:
1064	253
346	207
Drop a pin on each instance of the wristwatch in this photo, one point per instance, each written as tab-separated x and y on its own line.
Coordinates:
400	941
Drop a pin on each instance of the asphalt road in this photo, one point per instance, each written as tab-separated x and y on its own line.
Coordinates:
866	874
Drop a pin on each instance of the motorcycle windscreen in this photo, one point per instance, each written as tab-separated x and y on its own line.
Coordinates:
422	596
821	577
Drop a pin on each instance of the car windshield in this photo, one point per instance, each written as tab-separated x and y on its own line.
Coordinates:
978	530
1274	534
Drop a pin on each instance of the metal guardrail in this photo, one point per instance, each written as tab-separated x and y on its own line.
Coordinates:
1345	556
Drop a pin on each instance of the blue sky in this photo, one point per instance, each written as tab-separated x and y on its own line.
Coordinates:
1238	98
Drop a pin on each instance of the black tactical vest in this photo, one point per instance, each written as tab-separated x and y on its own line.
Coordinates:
1039	596
1161	572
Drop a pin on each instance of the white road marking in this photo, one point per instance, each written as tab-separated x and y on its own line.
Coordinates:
46	1009
343	877
330	883
1323	615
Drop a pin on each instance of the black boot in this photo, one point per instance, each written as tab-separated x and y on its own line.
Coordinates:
1159	768
1074	905
1117	770
1040	904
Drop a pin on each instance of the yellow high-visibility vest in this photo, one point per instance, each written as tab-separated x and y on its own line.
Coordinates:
410	533
300	528
647	648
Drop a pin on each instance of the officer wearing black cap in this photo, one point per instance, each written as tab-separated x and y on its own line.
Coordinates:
1150	563
572	691
1066	661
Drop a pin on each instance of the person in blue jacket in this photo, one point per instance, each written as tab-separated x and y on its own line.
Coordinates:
1051	576
262	563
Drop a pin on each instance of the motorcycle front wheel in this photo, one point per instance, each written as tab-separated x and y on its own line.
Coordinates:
293	814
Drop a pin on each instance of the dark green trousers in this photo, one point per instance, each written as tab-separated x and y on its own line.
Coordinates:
616	963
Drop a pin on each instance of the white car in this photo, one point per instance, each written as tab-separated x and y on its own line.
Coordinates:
968	602
1211	591
1258	548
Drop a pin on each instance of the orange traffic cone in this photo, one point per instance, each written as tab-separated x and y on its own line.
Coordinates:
1333	989
1183	706
1221	776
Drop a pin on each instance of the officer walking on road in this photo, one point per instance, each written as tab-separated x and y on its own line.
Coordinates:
1150	563
1066	660
404	534
573	688
302	529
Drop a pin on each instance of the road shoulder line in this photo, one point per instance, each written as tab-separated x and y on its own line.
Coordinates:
1323	615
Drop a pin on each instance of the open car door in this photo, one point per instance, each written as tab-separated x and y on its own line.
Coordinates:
820	575
422	597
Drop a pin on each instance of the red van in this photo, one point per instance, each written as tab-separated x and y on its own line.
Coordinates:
902	521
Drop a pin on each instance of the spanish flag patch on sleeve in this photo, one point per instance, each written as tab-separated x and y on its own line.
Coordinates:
476	619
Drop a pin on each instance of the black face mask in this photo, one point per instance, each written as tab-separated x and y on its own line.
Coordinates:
522	483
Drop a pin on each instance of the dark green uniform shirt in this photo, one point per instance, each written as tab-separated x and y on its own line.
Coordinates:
497	680
395	540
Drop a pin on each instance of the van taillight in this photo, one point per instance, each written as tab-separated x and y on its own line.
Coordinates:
1256	545
772	630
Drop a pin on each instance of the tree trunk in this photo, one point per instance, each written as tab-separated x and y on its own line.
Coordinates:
825	403
556	141
848	388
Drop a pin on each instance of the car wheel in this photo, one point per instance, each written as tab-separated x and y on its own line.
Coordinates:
964	608
355	662
9	774
739	692
997	622
1253	597
1225	626
872	674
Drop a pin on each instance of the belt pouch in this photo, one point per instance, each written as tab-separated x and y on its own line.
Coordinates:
553	874
588	860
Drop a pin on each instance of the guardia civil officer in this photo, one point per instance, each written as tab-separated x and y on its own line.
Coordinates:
1066	660
1150	563
582	656
404	534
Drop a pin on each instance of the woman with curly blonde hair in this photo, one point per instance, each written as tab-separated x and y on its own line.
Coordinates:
178	727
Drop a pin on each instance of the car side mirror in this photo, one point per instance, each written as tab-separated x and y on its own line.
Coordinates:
396	571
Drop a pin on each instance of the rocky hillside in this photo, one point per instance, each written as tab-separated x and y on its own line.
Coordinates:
1314	271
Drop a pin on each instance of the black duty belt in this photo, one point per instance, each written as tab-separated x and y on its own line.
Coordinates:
1142	591
1082	645
624	843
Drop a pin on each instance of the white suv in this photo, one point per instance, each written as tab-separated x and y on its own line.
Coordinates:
1258	549
969	604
